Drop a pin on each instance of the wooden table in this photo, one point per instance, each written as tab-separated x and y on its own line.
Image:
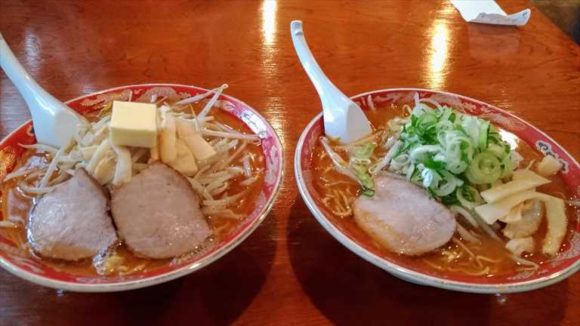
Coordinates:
290	271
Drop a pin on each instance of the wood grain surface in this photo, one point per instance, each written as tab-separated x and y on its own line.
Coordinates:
290	271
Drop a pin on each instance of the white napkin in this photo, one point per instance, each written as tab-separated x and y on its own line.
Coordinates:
489	12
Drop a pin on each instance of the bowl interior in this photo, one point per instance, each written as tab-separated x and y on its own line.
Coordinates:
34	270
357	241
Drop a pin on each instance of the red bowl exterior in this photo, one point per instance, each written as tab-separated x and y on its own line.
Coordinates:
34	270
565	264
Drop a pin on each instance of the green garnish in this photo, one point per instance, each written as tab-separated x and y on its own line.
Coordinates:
447	149
359	162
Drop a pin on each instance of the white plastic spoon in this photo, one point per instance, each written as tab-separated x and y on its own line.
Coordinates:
54	122
343	119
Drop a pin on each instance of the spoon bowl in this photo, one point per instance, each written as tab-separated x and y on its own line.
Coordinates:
343	119
54	122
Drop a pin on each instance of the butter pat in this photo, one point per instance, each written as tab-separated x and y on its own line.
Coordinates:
134	124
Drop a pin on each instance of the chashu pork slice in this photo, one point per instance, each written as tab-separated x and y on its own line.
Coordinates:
403	218
158	214
72	221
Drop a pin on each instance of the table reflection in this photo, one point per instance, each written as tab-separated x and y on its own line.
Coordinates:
438	55
269	8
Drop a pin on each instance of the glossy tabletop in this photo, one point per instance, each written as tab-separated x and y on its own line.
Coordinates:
290	271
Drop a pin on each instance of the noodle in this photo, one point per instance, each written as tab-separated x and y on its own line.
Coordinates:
466	235
213	133
8	224
40	147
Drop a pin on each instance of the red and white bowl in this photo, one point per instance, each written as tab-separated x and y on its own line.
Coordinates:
34	270
561	267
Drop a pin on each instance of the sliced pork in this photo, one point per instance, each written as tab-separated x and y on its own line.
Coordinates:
402	217
72	221
158	214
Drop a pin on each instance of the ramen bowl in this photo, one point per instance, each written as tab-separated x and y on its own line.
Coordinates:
35	270
565	264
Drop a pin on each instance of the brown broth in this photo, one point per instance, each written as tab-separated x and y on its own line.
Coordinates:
449	260
16	205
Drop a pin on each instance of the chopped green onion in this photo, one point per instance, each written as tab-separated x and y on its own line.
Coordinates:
484	169
442	149
359	162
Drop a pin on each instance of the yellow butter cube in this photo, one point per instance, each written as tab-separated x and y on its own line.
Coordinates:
134	124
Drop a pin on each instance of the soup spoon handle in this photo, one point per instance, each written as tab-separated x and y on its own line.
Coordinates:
54	122
343	119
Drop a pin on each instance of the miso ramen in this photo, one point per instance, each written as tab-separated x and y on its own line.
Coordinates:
512	211
222	173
